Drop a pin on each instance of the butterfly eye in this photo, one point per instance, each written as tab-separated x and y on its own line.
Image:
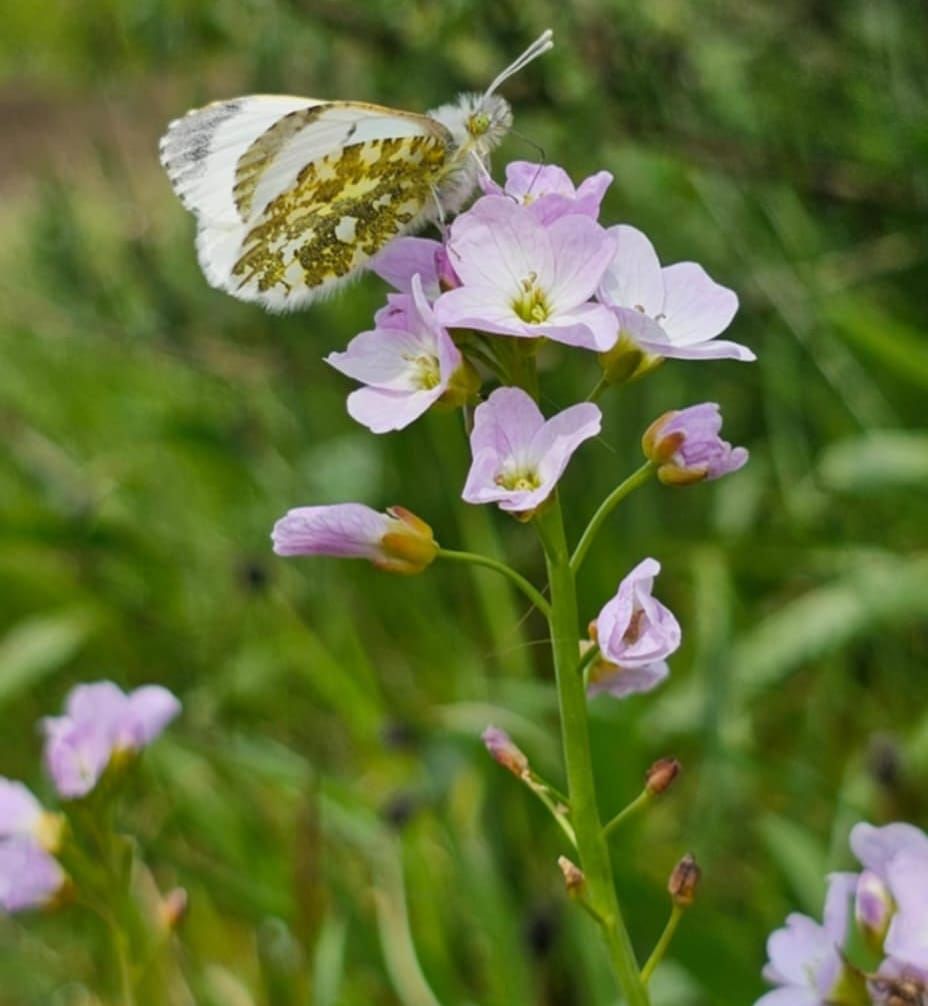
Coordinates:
478	124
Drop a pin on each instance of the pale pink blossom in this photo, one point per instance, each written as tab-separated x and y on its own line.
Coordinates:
518	455
676	311
686	446
100	720
523	278
397	541
636	634
407	363
548	192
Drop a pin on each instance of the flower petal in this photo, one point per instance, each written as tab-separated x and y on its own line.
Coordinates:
349	530
582	252
696	308
383	411
634	278
403	258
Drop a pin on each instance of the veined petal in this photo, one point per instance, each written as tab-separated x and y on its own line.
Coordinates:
554	442
588	326
405	257
696	308
634	278
384	358
507	423
383	411
497	244
582	252
714	349
345	530
485	308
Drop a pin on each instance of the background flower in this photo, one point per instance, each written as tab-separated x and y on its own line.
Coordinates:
100	720
687	448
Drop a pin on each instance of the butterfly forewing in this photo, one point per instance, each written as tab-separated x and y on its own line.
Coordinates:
310	196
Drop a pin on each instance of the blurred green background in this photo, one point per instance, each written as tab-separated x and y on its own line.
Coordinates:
325	798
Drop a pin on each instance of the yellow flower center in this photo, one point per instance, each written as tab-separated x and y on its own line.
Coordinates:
428	372
519	481
532	304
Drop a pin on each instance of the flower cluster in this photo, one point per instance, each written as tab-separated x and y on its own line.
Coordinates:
101	727
812	964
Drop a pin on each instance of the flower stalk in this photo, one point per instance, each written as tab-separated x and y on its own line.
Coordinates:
591	843
636	479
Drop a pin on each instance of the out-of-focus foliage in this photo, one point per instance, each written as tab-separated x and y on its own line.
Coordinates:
325	798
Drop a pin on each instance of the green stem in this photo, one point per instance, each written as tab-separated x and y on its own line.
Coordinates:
547	798
657	954
639	803
618	494
591	654
591	844
598	390
122	963
518	579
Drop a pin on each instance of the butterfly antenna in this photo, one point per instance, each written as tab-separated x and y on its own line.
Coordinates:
539	149
539	47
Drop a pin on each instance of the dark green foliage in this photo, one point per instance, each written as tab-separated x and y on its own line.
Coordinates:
325	792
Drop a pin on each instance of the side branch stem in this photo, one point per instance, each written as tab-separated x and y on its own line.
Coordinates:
614	498
591	843
475	559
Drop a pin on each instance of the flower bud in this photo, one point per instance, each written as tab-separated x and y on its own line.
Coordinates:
501	748
683	881
173	908
574	877
873	909
409	546
627	361
686	447
661	775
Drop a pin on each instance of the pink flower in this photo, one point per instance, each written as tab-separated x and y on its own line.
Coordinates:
526	279
896	857
407	364
676	311
636	634
686	446
406	257
101	720
397	541
29	876
21	814
548	191
518	457
804	957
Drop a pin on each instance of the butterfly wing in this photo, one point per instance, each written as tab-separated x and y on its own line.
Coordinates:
293	196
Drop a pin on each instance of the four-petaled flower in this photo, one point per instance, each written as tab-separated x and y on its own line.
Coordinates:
548	190
686	446
636	634
397	541
518	456
523	278
805	961
407	363
676	311
100	721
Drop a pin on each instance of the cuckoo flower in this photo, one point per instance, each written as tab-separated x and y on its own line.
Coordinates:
548	190
21	815
805	961
686	446
397	541
895	860
100	721
29	876
676	311
636	634
407	364
518	456
523	278
406	257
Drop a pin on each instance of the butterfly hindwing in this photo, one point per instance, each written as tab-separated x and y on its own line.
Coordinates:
309	196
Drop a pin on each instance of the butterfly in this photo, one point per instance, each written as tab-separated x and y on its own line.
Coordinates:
293	196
